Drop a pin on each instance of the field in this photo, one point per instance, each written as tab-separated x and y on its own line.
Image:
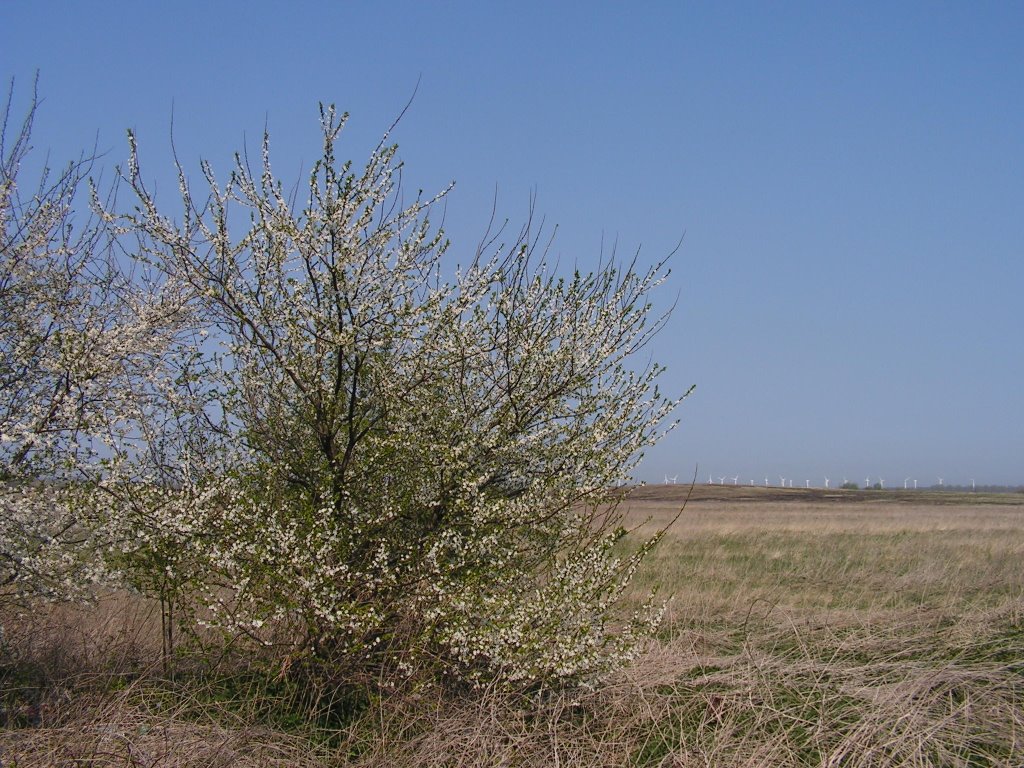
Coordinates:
804	628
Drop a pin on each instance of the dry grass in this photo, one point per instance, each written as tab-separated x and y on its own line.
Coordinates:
683	705
84	686
120	730
804	631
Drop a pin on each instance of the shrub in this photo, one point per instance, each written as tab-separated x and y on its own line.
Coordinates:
83	343
309	433
403	469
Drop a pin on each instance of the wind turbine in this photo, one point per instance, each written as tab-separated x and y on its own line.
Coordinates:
915	483
721	480
674	479
905	481
867	481
972	485
807	484
940	482
766	481
881	482
782	481
736	480
826	483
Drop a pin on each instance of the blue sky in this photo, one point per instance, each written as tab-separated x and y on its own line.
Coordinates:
849	179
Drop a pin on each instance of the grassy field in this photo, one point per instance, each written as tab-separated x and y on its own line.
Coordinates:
805	628
843	628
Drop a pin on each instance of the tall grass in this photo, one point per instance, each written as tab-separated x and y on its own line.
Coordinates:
799	634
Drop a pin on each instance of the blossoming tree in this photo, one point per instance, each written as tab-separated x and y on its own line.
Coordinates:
374	461
84	341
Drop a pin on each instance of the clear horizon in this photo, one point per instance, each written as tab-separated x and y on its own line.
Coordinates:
847	181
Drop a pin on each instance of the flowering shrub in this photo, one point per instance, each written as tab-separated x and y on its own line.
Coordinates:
83	346
322	440
417	462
